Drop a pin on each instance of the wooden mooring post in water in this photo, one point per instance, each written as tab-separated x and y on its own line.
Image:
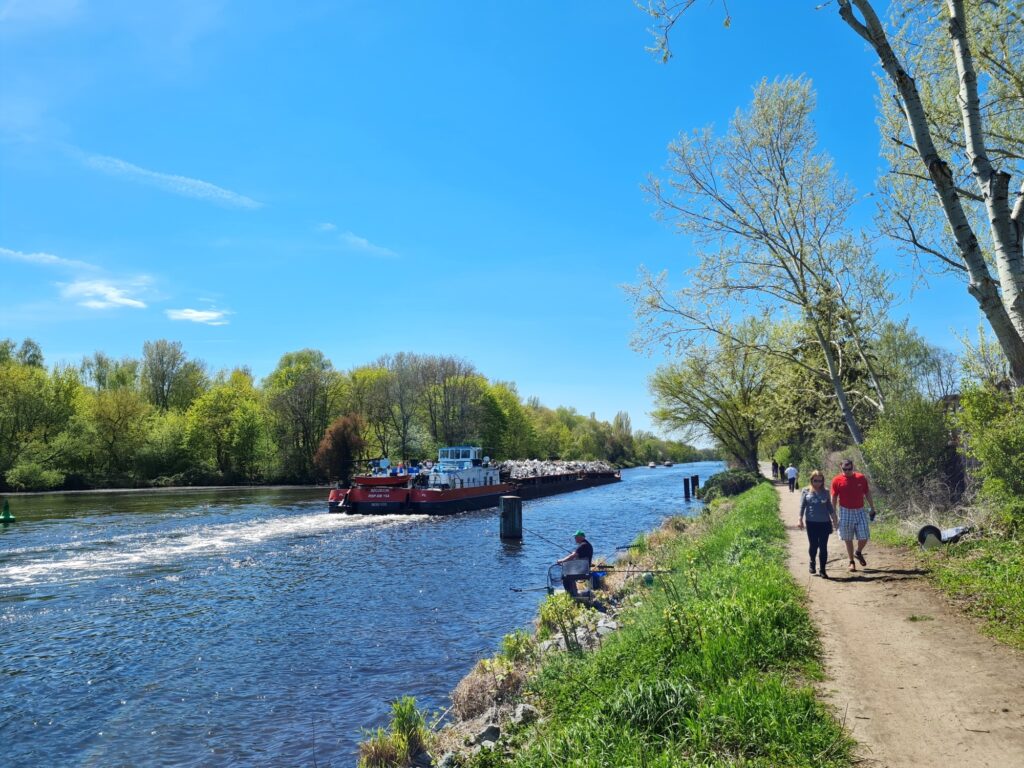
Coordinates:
694	484
511	517
686	488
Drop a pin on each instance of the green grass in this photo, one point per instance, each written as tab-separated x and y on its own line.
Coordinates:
710	669
985	575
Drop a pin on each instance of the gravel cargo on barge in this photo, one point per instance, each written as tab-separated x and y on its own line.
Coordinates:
463	479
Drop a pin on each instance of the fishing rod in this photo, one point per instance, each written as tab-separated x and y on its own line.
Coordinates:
599	568
639	570
561	548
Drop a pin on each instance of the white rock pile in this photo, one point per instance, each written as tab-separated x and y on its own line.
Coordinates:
520	468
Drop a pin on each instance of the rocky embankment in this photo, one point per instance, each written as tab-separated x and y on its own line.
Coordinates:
489	700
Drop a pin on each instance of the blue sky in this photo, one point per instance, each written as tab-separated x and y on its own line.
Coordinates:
252	178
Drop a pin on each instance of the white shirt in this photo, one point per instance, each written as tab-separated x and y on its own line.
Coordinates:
790	472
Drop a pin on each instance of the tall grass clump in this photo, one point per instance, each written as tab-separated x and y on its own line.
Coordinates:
710	667
397	745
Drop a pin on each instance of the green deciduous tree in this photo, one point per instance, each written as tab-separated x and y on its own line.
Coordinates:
36	409
103	372
304	394
518	439
404	395
169	378
907	448
226	425
992	422
117	421
717	391
450	387
369	395
770	211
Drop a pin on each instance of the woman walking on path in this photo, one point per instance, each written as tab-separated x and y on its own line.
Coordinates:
848	493
816	508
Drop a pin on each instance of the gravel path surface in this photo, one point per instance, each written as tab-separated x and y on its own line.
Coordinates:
914	680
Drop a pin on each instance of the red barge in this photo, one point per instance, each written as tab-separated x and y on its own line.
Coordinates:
462	479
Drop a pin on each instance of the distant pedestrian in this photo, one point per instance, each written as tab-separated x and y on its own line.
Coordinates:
791	474
849	490
816	509
584	551
775	470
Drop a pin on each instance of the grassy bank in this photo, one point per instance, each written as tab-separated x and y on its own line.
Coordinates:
984	574
711	666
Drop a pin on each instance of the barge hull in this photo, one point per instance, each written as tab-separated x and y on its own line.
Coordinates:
389	501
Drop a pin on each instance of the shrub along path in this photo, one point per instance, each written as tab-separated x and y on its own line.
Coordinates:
915	681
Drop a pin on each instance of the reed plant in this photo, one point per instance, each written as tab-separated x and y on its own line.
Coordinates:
712	665
397	745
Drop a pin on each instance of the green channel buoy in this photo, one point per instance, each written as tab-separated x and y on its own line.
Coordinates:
7	517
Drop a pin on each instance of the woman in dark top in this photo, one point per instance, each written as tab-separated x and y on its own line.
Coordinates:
816	509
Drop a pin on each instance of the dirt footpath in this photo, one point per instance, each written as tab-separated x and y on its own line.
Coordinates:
914	681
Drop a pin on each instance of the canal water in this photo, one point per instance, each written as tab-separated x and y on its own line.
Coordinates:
249	627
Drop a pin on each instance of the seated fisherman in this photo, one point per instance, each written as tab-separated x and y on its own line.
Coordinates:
584	551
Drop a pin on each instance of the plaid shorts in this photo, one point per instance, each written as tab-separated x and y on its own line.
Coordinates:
853	524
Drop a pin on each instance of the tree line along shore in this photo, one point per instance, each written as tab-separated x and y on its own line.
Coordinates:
165	420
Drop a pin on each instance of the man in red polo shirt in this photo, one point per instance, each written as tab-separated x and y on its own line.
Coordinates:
848	493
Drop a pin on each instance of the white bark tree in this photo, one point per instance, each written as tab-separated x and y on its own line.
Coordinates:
954	135
978	129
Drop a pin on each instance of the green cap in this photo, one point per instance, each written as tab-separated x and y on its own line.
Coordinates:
580	533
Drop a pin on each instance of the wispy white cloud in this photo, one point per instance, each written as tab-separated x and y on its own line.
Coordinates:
326	227
104	294
357	243
205	316
44	259
178	185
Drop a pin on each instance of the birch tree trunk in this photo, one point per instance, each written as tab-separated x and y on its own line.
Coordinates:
1004	311
837	384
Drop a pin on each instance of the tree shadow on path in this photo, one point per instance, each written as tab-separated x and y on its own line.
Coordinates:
880	575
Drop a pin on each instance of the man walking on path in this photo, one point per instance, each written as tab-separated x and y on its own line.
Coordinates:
791	474
849	490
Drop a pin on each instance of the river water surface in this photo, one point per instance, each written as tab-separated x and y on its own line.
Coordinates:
249	627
